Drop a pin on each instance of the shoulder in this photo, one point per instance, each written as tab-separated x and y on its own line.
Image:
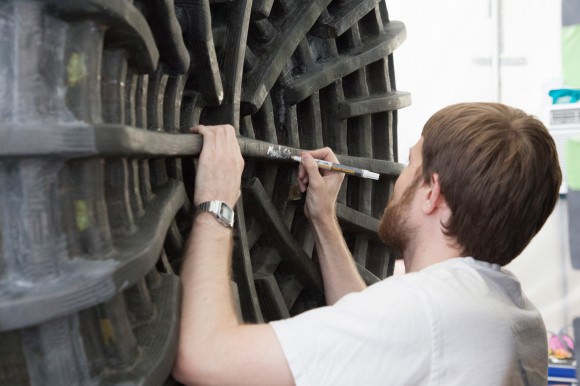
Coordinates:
402	293
394	304
384	323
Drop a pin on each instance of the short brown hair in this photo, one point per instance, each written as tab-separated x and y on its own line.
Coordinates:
499	173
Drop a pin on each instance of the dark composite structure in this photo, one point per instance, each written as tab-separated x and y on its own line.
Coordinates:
96	168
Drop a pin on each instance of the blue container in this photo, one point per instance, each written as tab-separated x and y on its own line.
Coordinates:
562	375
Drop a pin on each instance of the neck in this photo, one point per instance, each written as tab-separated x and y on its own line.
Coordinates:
419	255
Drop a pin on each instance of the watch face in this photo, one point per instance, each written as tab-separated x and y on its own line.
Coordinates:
226	212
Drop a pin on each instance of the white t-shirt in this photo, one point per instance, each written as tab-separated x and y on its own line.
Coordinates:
459	322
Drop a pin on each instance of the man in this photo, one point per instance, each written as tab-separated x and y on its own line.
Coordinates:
480	183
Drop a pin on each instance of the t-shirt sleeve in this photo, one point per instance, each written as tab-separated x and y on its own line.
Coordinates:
381	335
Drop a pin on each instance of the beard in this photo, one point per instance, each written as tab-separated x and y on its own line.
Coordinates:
393	228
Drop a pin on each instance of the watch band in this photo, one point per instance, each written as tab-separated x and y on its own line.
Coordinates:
221	211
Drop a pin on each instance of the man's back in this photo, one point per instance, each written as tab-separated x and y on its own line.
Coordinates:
453	323
484	324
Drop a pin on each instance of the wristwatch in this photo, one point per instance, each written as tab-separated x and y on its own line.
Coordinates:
222	212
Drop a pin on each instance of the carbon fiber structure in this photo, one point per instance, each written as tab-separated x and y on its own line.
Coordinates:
97	168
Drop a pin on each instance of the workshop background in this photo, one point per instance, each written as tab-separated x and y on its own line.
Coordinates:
515	52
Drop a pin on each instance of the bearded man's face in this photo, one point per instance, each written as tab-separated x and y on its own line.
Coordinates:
394	230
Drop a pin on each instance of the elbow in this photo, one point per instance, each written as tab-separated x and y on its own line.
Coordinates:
200	358
190	368
182	370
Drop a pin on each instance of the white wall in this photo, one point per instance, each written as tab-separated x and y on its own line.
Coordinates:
440	63
443	61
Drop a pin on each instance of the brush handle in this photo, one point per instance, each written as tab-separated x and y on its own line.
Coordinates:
350	170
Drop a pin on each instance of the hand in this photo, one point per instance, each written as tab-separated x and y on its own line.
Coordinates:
220	165
321	186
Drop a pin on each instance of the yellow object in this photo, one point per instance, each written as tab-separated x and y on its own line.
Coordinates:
76	68
82	214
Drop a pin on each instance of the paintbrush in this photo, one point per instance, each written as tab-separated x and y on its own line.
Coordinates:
350	170
267	150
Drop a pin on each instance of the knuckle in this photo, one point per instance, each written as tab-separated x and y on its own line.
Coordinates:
207	132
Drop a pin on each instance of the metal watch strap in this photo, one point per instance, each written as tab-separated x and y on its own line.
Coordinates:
221	211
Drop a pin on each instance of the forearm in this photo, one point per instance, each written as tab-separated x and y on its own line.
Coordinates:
338	268
214	346
208	311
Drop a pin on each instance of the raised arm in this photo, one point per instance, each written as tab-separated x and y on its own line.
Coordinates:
338	268
214	347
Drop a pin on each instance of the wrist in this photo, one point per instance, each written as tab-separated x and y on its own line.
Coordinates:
205	221
325	222
323	215
221	211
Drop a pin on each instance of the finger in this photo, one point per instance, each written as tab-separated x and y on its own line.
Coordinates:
228	146
195	129
311	168
210	138
325	153
301	171
228	139
230	131
205	132
303	183
233	145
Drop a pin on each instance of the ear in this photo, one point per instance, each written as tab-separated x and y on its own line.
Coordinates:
433	199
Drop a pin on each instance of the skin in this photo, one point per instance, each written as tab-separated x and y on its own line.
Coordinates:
215	348
336	263
427	211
